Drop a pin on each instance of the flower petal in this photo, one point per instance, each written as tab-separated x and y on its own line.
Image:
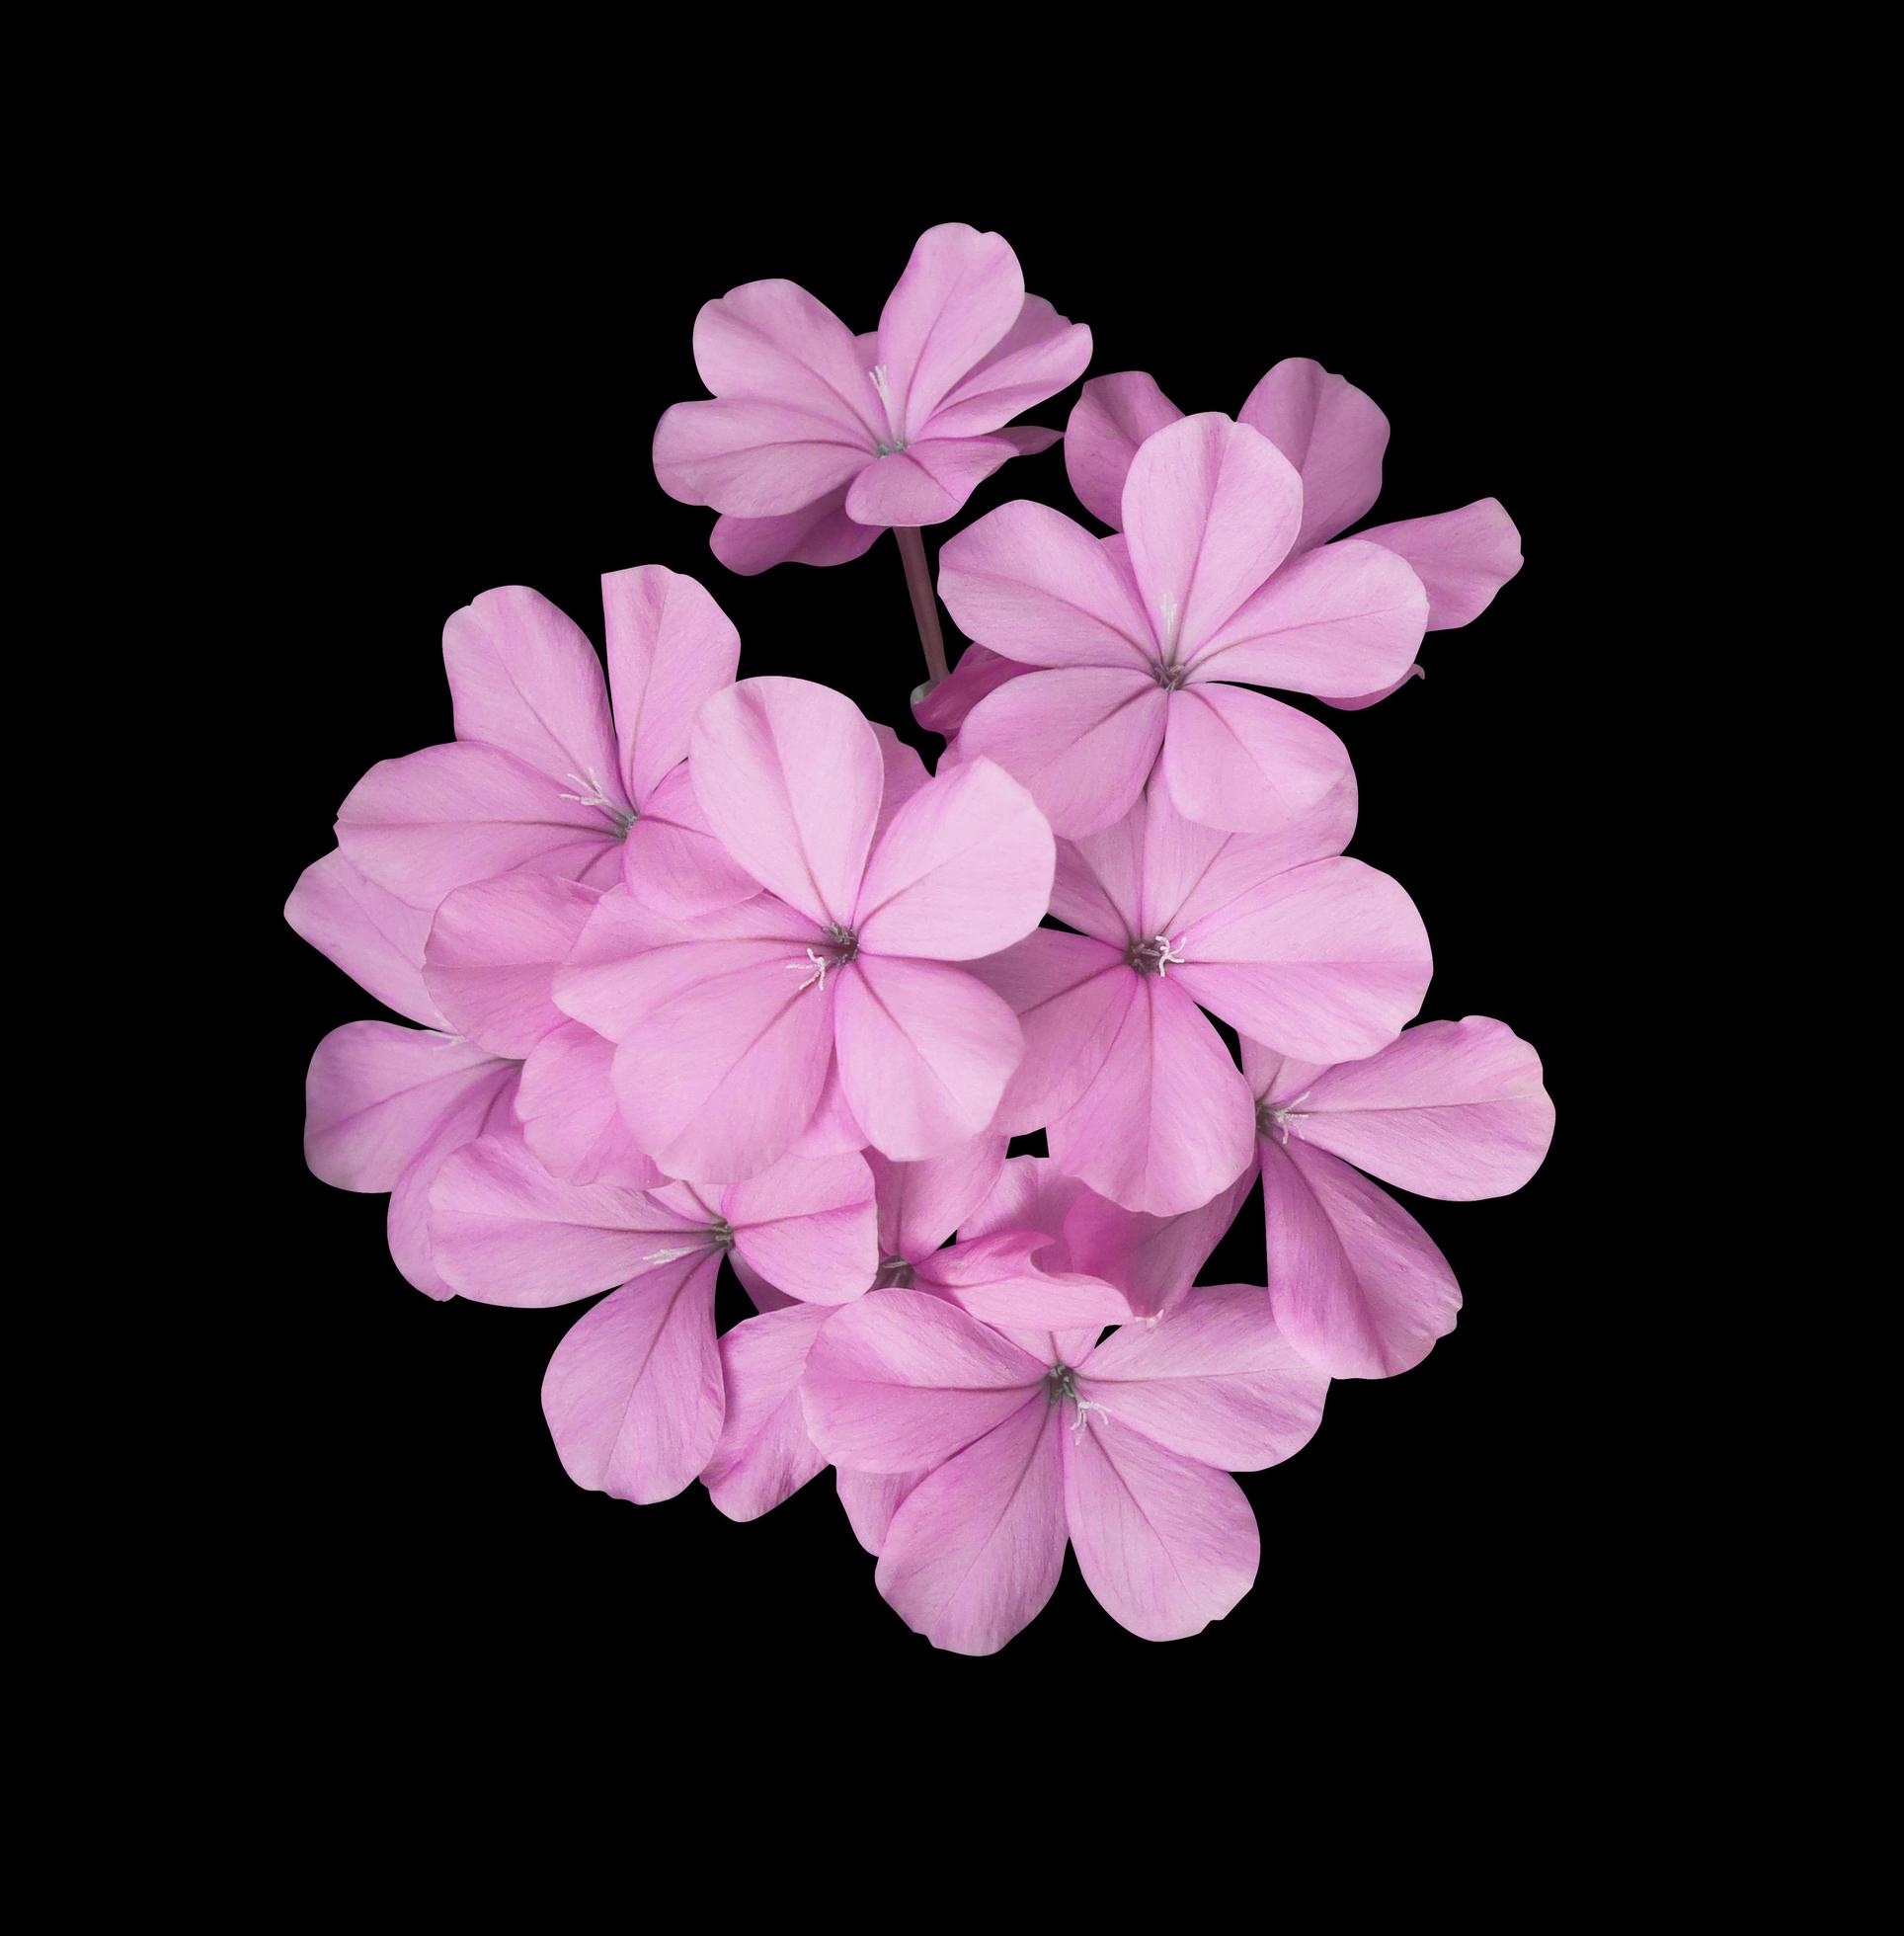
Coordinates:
978	674
819	533
808	1227
494	948
789	776
1166	1545
870	1499
374	938
1357	1286
672	861
959	297
1112	416
485	1109
1333	433
568	1115
753	457
1152	1261
1069	993
928	482
1326	962
765	1455
962	870
633	1394
995	1279
1035	359
1210	510
1246	762
670	647
902	1380
771	339
1462	557
975	1550
1082	741
925	1050
920	1204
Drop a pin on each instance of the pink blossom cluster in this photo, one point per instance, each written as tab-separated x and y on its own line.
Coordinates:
709	967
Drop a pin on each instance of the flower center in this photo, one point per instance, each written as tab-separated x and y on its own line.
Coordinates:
839	948
895	1274
1155	955
1276	1122
592	795
1168	677
894	427
1061	1383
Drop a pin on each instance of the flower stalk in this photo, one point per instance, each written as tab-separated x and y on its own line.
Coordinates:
925	608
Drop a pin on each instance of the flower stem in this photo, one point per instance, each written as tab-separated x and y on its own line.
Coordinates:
925	609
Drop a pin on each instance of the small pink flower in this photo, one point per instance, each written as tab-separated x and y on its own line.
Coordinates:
1276	934
815	439
1124	1449
1452	1109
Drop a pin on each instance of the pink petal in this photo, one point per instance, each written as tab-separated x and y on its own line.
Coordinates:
1082	740
831	1130
975	1550
1357	1286
1166	1543
484	1110
1107	423
871	1499
1342	620
760	1294
1246	762
670	647
751	457
1274	1078
809	1226
928	482
978	674
997	1280
789	776
964	869
1210	510
1363	700
526	678
1168	1121
671	861
633	1394
1333	433
1324	962
920	1204
504	1230
961	293
902	1380
375	1094
1462	557
1154	1261
1034	1194
771	339
1212	1380
1452	1109
569	1114
1071	994
925	1050
494	948
1035	359
904	775
1030	584
765	1455
428	823
374	938
601	981
819	533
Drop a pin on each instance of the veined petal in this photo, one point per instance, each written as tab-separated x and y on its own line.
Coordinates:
1246	762
809	1226
978	675
751	457
763	1454
368	931
928	482
673	863
486	1108
1152	1261
771	339
960	294
671	646
494	948
920	1204
997	1280
1070	993
568	1115
819	533
1035	359
1333	433
1112	416
1462	557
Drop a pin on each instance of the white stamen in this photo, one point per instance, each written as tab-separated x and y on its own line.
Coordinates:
878	374
1170	617
819	977
1083	1406
594	797
668	1256
1169	951
1280	1119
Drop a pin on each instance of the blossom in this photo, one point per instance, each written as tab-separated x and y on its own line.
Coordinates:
1452	1109
848	967
543	775
1123	1448
1280	935
1136	638
815	439
633	1395
385	1106
764	1453
1335	436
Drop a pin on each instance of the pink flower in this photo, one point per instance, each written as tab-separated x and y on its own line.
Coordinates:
1276	934
729	1030
384	1106
634	1392
542	777
1335	436
1123	1448
815	440
764	1453
1452	1109
1136	638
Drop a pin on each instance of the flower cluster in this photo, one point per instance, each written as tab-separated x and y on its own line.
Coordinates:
710	967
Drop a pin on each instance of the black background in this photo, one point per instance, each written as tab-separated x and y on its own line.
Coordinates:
483	394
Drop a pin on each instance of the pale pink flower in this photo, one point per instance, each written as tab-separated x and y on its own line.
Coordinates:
1335	436
1137	639
1124	1449
815	439
849	966
542	776
1452	1109
1277	934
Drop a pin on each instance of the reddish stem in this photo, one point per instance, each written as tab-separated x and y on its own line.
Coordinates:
925	609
